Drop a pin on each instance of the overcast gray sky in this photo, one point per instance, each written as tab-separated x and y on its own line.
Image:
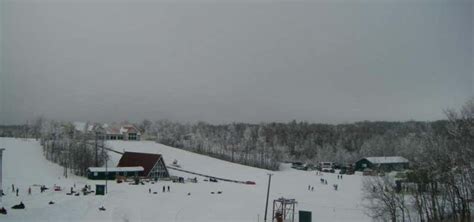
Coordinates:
248	61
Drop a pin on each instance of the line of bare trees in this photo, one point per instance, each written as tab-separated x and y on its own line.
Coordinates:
74	149
440	186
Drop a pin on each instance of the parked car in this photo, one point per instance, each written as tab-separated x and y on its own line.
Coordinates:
368	172
310	166
299	166
326	166
343	170
328	170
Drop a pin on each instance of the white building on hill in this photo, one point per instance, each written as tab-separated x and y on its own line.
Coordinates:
123	132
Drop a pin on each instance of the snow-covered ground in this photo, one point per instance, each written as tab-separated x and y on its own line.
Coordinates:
24	166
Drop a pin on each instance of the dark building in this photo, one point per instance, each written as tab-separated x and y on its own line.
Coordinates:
111	173
386	164
153	164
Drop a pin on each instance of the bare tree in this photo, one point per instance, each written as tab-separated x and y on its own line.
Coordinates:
384	201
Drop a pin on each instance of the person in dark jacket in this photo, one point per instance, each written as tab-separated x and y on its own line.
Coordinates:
164	189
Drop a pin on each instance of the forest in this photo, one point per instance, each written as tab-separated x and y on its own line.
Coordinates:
265	145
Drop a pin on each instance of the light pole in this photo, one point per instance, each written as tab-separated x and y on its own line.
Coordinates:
1	184
106	174
106	168
268	193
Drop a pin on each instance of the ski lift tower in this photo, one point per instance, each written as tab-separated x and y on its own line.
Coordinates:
284	210
1	185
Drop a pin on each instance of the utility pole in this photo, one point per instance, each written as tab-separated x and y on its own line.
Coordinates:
268	193
1	185
106	176
66	159
106	171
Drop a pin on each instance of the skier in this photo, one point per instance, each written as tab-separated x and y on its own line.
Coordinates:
168	188
164	189
17	191
149	190
29	190
13	188
309	187
312	188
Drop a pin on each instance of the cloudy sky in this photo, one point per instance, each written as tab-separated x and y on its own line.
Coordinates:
223	61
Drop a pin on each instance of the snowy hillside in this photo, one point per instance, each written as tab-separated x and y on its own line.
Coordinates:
24	166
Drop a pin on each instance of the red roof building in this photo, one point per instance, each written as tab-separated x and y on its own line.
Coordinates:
153	164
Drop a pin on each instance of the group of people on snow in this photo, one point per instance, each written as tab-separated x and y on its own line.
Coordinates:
165	189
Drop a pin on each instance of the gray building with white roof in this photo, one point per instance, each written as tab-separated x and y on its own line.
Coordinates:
385	163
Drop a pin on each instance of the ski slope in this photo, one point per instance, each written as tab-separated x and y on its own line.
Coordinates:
24	165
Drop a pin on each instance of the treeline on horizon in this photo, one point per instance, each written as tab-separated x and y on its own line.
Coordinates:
265	145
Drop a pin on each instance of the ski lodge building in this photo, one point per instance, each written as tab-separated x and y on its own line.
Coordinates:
386	164
111	173
153	164
125	132
109	132
132	164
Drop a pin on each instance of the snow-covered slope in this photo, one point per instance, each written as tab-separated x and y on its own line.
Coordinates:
24	166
